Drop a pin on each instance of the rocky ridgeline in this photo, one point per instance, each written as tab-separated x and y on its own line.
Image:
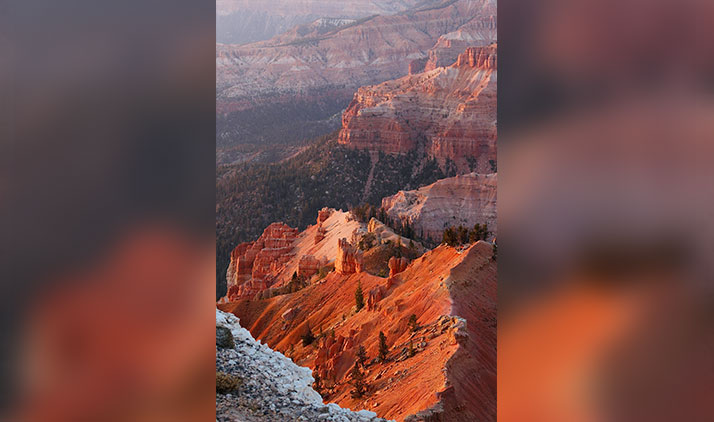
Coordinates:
448	112
272	387
367	52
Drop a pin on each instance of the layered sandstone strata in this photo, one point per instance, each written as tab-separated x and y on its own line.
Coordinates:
448	112
243	21
368	51
253	264
462	200
308	266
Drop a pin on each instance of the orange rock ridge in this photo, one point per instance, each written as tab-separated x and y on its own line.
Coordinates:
451	375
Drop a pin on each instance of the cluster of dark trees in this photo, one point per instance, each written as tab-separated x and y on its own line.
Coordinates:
359	386
456	236
250	196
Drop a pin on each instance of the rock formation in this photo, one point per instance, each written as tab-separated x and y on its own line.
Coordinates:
271	387
384	233
369	51
349	258
244	21
374	296
446	367
462	200
308	266
281	251
397	265
323	215
253	264
448	112
319	233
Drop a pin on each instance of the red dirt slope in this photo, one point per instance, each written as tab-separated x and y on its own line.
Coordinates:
451	375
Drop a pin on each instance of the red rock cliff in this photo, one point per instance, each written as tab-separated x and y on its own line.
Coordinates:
449	112
253	264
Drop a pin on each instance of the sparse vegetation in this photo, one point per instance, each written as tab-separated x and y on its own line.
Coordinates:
359	297
383	348
361	356
227	383
323	271
250	196
456	236
367	241
413	325
359	387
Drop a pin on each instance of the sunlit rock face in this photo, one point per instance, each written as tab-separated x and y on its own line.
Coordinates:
462	200
448	113
254	264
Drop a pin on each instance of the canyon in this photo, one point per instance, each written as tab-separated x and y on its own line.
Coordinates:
465	200
294	86
287	395
441	369
449	112
244	21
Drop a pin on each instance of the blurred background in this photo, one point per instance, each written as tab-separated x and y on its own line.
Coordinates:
107	210
605	210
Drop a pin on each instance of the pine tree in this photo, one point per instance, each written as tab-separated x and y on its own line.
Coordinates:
462	235
359	297
450	236
358	384
413	322
383	349
361	356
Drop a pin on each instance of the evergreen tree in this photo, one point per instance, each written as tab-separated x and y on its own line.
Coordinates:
359	297
450	236
383	349
462	235
361	356
358	384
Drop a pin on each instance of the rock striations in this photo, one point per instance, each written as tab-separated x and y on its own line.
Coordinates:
444	366
449	113
308	61
271	387
253	264
242	21
462	200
